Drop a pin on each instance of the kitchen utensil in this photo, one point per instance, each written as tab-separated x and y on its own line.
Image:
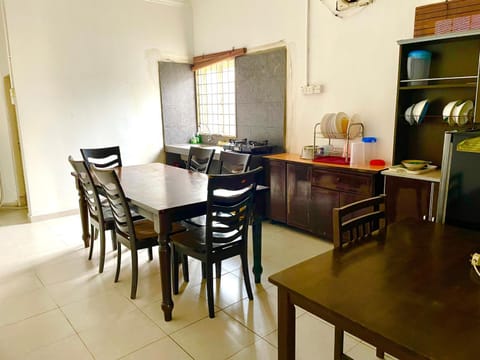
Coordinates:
409	115
461	112
415	164
308	152
448	110
420	110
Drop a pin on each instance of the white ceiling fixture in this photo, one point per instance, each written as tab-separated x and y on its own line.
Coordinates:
348	4
170	2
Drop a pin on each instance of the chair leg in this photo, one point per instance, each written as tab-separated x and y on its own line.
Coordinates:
150	254
92	240
209	273
114	239
102	251
246	275
119	261
218	269
186	275
174	270
204	271
338	347
133	292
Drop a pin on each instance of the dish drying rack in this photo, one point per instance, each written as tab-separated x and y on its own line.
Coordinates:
317	134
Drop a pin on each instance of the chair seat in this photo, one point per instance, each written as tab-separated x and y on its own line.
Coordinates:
144	229
195	238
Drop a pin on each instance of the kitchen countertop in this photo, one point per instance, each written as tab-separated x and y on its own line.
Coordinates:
432	176
296	158
183	149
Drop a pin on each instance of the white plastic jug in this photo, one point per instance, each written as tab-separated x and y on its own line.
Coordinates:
418	66
357	153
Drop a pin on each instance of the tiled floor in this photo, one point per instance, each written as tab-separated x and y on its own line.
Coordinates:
55	305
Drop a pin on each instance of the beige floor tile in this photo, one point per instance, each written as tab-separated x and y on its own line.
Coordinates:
165	348
188	309
121	335
260	350
363	351
77	289
71	348
149	289
21	338
228	335
23	306
97	310
18	283
227	290
259	315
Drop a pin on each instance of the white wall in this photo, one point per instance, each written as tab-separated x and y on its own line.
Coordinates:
354	57
86	75
7	170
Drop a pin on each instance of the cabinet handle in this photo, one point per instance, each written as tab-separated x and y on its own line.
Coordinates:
424	218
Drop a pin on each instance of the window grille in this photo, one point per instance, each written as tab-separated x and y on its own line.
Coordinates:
216	98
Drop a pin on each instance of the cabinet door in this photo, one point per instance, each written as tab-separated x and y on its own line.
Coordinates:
409	198
323	202
298	195
277	182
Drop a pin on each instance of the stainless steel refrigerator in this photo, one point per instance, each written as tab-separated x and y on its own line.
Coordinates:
459	192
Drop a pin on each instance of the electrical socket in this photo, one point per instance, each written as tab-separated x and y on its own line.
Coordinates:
312	89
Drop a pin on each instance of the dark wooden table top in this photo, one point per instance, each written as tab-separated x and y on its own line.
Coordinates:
414	291
160	187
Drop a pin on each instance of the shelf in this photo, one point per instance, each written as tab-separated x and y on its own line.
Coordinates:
438	86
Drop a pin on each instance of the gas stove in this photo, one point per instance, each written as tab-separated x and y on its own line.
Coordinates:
249	146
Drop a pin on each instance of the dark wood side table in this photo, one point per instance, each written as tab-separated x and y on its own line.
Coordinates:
412	292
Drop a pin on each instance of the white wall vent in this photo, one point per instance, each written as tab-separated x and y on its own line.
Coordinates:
348	4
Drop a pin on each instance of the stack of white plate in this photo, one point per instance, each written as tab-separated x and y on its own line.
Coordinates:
335	125
457	112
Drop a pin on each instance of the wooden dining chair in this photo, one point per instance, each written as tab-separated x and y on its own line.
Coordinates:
234	163
230	201
107	157
200	159
134	235
100	215
353	224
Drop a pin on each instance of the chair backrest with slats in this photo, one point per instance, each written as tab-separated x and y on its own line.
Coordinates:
233	163
103	158
358	221
89	190
230	202
200	159
112	188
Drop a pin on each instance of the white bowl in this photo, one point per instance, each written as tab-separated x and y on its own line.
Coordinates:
448	110
409	115
461	112
419	111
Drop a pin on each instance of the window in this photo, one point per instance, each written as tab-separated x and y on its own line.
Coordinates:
215	85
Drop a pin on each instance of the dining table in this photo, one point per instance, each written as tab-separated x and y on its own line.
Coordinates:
410	291
166	194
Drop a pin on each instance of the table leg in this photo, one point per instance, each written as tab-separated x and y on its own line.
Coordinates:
286	326
82	205
165	271
257	248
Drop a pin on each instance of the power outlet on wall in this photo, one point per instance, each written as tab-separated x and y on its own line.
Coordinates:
312	89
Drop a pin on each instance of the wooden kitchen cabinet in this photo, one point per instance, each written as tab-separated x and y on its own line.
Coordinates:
334	188
410	198
303	194
299	195
452	77
276	176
